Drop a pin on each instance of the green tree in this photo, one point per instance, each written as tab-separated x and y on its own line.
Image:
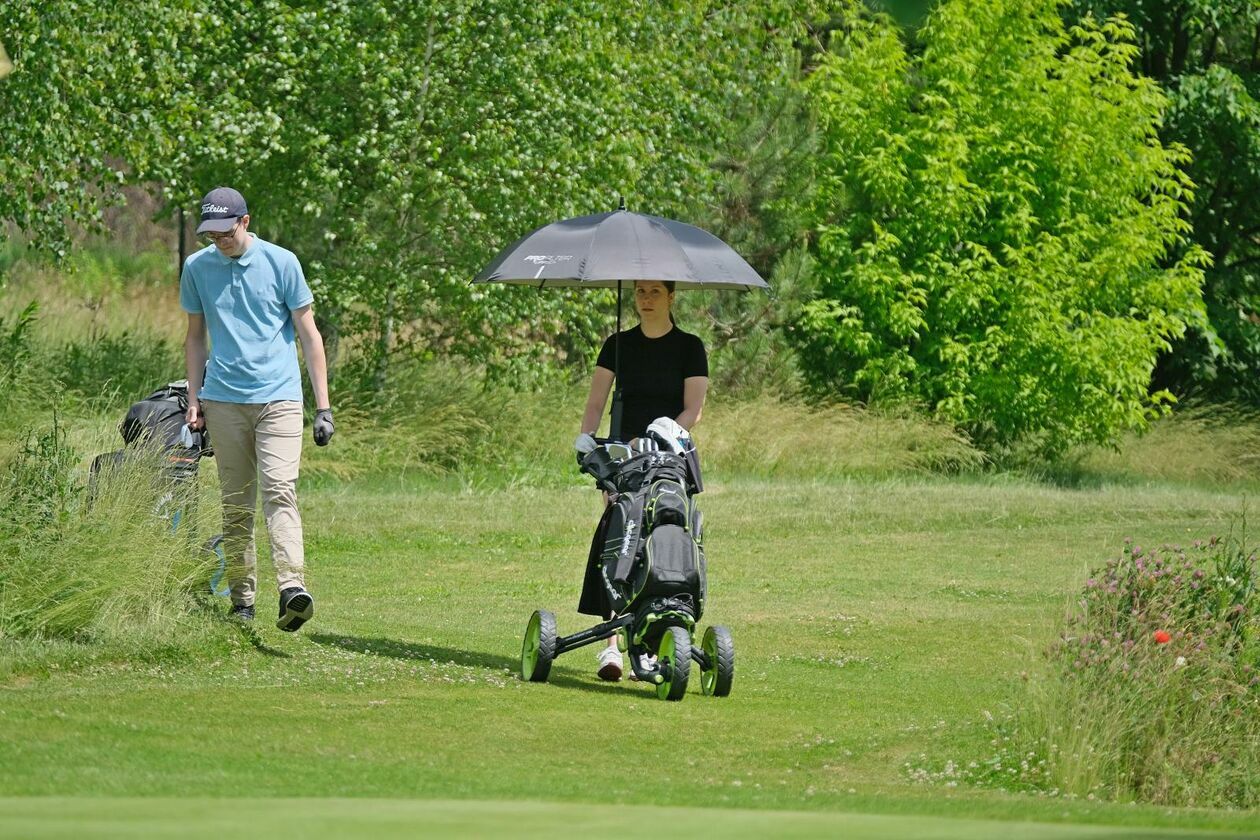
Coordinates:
82	107
397	146
1206	55
764	169
997	224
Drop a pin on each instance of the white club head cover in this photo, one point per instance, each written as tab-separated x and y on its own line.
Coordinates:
584	443
676	436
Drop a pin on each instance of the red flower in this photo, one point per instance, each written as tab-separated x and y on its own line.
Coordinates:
1162	637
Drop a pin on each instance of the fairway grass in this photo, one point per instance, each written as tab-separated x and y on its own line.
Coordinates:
40	818
876	623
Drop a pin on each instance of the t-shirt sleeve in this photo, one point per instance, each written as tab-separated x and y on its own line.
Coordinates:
296	293
189	299
608	354
695	361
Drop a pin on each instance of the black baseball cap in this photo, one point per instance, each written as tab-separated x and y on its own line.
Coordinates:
220	209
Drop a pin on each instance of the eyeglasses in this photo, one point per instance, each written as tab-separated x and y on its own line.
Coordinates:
218	237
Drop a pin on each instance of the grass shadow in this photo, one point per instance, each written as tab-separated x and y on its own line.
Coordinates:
255	641
417	652
210	607
1073	475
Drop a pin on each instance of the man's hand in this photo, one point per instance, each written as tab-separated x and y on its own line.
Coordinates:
193	416
323	429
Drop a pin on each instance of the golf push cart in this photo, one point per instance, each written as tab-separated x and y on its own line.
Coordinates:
651	568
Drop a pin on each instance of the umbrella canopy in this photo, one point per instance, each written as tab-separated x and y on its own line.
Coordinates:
608	249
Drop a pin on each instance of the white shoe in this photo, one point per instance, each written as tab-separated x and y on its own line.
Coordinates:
610	664
646	663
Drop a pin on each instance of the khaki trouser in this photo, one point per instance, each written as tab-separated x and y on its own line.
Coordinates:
258	445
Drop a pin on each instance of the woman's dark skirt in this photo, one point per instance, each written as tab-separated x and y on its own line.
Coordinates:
594	600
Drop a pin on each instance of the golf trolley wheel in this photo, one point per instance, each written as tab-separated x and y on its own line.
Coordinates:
674	651
719	648
539	648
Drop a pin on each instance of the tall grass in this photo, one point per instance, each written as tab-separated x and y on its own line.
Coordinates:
103	289
1158	679
115	369
39	368
1197	444
770	437
106	570
429	419
443	418
15	368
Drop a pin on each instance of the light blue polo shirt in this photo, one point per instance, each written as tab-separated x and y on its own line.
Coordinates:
247	303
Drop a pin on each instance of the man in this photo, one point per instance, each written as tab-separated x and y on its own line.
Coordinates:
253	298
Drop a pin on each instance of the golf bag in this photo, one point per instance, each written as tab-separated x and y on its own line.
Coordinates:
156	424
652	548
154	432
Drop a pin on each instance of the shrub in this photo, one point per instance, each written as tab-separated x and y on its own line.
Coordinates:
1015	268
1158	669
1152	692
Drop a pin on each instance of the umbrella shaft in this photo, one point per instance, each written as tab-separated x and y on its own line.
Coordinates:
614	423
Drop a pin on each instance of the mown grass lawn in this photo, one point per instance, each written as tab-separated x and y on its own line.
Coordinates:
876	623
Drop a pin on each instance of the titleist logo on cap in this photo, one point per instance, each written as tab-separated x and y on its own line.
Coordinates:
220	208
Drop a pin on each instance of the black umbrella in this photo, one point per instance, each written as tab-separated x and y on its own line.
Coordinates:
605	250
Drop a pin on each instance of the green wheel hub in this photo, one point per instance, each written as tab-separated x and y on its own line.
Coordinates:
674	655
719	651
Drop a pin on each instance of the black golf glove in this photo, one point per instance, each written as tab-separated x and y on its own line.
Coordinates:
323	428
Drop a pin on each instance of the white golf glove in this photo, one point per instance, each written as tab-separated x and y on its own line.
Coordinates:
584	443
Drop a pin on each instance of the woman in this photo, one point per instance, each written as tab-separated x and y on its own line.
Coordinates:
664	373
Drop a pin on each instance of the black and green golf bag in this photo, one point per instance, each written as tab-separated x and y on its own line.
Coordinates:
652	561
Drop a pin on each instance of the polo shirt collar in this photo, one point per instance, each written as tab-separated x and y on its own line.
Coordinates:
244	259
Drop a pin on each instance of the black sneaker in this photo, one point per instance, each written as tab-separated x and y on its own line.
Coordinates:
296	608
242	612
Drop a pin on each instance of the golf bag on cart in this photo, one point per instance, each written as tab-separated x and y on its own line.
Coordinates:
646	567
154	427
652	562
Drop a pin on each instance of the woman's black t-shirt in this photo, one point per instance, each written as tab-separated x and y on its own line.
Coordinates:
652	374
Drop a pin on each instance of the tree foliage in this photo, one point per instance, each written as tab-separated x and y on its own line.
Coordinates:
82	108
396	146
1206	55
996	223
992	223
1216	115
